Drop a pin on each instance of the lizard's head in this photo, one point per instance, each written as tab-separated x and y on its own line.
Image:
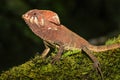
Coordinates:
40	17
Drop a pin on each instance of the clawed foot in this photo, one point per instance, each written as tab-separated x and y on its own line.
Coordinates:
97	67
55	59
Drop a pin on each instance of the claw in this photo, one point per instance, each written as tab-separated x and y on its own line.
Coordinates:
55	59
58	55
96	64
97	67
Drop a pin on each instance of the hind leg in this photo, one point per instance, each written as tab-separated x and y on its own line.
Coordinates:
95	61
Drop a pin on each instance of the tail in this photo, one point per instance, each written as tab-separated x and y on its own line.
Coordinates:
103	47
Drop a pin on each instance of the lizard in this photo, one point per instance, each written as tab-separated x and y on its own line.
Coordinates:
46	25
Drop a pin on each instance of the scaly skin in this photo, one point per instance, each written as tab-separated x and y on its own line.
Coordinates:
46	25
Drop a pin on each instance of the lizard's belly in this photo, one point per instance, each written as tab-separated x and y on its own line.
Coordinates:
71	48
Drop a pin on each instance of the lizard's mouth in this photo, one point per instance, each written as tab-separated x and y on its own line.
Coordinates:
33	17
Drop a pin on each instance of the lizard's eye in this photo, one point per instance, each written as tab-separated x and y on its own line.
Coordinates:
34	17
34	13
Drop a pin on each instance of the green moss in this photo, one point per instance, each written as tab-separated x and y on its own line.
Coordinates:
113	40
72	67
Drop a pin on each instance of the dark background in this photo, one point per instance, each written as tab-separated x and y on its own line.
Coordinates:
88	18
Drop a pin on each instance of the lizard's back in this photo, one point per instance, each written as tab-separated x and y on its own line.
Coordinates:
64	36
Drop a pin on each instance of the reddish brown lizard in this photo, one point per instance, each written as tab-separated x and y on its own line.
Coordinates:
46	25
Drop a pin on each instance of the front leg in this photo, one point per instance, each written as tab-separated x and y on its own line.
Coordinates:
58	55
95	61
46	51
